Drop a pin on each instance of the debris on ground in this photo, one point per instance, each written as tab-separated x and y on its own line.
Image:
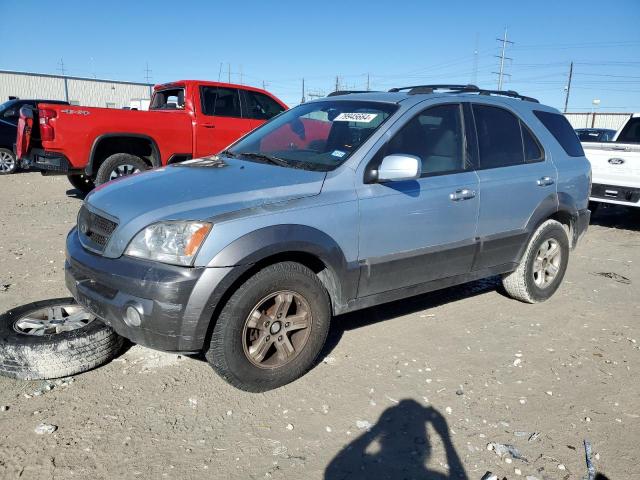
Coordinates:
613	276
4	408
591	471
289	426
45	428
502	450
364	425
4	287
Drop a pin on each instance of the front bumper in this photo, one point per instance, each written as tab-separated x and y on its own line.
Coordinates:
176	303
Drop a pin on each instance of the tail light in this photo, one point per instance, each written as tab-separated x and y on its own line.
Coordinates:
46	129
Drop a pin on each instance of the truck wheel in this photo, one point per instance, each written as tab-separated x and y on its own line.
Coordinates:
81	182
119	165
8	162
542	267
272	329
53	338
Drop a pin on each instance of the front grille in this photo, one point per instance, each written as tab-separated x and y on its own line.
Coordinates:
614	192
94	230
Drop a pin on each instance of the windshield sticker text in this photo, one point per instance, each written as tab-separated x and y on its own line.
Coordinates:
338	153
355	117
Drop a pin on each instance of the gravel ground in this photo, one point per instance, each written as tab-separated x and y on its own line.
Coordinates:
410	390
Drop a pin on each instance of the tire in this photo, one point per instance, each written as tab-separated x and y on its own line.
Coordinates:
524	283
53	355
119	165
81	182
8	163
229	354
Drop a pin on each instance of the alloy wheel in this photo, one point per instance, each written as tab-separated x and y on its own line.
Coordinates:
547	262
123	170
7	162
53	320
277	329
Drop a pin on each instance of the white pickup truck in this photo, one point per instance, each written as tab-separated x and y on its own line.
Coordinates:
615	166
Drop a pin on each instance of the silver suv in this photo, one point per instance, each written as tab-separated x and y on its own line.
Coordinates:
335	205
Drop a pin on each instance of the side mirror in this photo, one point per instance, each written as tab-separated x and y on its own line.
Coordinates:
395	168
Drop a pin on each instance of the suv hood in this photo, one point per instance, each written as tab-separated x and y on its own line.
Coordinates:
195	191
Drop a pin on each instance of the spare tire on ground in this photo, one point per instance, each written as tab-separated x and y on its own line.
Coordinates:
53	338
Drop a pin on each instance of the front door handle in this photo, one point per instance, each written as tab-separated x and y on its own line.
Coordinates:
209	125
545	181
462	194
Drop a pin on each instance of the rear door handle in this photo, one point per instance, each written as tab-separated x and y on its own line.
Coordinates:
462	194
208	125
545	181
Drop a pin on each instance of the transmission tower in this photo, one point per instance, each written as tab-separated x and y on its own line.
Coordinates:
502	58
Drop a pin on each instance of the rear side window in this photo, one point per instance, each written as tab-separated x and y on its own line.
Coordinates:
532	150
631	131
220	101
561	129
261	107
170	99
499	137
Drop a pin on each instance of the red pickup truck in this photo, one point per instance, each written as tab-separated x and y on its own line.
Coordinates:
186	119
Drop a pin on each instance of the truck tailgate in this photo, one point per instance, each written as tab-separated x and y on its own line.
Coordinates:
614	164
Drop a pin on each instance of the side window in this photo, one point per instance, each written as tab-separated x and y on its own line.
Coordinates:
435	135
261	107
561	129
631	131
499	137
220	101
532	150
170	99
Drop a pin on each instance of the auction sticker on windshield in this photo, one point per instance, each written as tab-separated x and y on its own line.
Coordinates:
355	117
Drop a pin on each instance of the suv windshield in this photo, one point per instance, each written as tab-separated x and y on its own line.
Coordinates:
314	136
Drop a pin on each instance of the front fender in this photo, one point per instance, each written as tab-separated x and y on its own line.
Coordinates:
259	245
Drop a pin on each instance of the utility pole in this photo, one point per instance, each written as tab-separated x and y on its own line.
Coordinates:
264	85
502	58
474	77
303	99
220	72
337	83
228	73
61	68
147	73
368	83
566	98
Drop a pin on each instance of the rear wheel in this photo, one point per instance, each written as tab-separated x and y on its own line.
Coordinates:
543	265
81	182
8	162
119	165
272	328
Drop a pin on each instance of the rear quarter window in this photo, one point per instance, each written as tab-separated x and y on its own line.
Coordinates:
561	129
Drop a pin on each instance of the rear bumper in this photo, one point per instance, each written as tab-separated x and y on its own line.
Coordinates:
176	303
46	161
581	225
616	194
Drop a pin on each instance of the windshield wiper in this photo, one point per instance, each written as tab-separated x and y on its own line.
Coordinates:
281	162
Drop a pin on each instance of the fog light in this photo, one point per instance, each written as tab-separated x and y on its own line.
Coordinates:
132	316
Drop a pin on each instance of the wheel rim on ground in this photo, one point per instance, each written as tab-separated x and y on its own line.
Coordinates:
123	170
546	265
277	329
7	163
53	320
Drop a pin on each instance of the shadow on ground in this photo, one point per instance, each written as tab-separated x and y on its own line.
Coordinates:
397	447
616	216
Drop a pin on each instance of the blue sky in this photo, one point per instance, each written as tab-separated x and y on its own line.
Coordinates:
395	43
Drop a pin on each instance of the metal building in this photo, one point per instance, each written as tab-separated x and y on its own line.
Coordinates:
597	120
91	92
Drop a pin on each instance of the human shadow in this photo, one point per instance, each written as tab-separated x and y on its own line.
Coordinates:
398	447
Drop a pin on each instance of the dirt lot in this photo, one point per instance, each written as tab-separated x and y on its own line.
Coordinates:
410	390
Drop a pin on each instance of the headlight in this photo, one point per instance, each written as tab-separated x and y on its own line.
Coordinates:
169	242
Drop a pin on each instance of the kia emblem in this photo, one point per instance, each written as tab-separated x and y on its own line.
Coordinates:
616	161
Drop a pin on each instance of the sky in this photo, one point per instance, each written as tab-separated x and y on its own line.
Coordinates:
278	43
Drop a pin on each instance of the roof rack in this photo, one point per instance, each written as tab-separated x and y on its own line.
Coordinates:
347	92
423	89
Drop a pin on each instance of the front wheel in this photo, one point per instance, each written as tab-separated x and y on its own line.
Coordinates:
543	265
8	162
119	165
81	182
272	329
